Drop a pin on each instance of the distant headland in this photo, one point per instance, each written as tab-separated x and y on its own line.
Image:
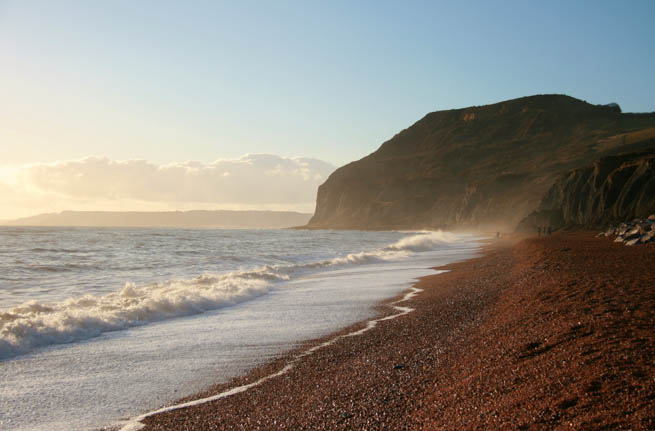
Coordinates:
224	219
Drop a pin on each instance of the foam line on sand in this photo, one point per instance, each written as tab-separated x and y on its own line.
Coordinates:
136	423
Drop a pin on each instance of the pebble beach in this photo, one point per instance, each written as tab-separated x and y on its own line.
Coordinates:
556	332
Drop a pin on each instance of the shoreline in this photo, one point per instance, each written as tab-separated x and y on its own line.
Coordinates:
500	340
292	357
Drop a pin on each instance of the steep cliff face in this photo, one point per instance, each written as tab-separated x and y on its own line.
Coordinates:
476	167
611	190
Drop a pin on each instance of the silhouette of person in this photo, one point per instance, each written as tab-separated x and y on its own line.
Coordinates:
538	230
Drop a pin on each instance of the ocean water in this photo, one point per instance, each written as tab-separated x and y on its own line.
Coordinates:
100	325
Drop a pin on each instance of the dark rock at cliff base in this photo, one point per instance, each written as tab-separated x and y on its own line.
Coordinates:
610	190
478	167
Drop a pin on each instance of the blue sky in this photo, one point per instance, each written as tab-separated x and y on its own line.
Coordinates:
170	82
173	81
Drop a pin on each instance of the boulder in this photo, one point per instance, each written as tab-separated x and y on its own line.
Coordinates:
638	231
633	241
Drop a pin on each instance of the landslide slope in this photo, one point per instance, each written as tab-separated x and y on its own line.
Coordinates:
477	167
613	189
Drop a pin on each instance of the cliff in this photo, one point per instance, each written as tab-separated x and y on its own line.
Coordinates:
477	167
609	191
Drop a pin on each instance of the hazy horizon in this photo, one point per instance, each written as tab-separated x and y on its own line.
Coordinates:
252	182
224	219
156	106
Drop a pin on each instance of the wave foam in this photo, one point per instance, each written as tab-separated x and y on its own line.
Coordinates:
33	324
423	242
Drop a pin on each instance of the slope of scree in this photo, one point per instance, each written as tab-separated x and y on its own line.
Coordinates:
478	167
612	190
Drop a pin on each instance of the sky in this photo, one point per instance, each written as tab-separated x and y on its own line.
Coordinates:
99	93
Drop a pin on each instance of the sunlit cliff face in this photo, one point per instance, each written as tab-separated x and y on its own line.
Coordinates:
253	181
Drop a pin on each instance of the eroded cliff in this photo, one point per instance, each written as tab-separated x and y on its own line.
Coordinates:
611	190
478	167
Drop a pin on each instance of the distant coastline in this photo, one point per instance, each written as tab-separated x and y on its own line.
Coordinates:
224	219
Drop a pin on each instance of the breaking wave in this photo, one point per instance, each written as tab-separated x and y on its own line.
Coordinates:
33	324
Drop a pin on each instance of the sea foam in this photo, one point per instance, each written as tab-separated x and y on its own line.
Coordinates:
32	325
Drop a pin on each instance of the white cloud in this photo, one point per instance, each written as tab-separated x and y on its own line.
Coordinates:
253	181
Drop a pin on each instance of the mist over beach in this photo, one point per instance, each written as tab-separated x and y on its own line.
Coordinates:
326	215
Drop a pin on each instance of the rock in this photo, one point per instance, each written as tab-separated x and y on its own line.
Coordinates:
632	232
633	241
638	231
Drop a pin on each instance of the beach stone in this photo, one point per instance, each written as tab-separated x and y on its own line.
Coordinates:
632	232
632	241
638	231
609	232
629	237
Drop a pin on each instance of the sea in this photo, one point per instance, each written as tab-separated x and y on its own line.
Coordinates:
99	325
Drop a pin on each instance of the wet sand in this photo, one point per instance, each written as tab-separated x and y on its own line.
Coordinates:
537	334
